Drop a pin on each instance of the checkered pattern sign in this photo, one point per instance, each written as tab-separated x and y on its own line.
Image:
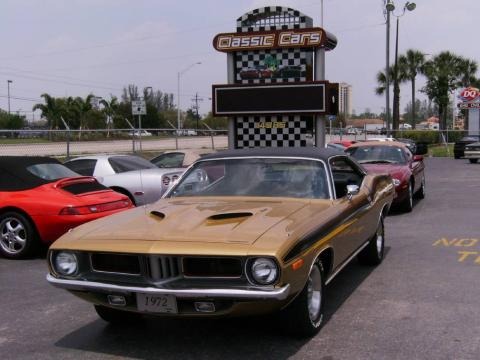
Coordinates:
270	131
293	64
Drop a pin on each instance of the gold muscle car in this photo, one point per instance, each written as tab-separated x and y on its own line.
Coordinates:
242	232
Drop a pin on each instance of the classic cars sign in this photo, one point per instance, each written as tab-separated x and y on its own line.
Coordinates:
307	38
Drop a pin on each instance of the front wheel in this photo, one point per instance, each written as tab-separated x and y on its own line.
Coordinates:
18	238
304	316
407	203
420	194
373	253
473	161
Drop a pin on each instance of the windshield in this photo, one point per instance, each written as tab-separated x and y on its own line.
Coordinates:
51	171
378	154
274	177
129	163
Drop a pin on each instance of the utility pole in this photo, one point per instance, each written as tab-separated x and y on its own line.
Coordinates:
195	107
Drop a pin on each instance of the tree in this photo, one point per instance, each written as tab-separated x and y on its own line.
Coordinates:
443	73
412	63
110	109
381	88
51	110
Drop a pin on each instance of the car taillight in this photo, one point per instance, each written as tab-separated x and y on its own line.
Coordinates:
98	208
166	180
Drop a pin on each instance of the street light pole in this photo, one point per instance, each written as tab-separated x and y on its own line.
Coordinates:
388	7
8	94
396	87
179	74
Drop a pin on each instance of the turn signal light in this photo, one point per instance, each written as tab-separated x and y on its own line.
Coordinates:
297	264
93	209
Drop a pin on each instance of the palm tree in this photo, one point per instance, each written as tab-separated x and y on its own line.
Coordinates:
83	106
380	89
109	109
412	62
443	73
50	110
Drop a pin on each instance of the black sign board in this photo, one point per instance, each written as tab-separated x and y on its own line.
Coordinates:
304	98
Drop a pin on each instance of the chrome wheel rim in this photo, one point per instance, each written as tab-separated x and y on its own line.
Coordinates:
410	195
314	293
13	235
380	240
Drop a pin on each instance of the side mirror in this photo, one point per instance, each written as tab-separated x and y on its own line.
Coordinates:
352	190
417	158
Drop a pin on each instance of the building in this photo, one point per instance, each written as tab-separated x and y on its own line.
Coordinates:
345	99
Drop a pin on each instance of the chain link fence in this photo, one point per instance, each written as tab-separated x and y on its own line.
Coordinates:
68	143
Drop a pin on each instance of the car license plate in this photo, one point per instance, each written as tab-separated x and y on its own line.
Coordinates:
157	303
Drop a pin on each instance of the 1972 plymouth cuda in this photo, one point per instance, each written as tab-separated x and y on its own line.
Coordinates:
242	232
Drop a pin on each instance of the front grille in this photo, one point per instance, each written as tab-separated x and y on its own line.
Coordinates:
115	263
212	267
162	268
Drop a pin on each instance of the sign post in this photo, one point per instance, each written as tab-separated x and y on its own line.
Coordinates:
139	108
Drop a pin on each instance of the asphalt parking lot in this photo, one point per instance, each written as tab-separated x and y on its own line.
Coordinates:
422	302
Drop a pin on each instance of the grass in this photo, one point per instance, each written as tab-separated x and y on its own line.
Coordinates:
23	141
440	150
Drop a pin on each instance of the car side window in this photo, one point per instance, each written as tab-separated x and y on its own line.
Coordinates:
171	160
83	167
344	173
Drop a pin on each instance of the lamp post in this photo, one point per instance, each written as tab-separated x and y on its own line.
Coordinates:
179	74
8	94
396	87
388	7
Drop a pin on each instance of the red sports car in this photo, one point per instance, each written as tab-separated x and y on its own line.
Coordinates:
392	157
40	199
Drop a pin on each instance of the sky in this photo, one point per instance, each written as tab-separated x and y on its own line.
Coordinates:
77	47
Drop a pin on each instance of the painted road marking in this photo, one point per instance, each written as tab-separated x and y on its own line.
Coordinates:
464	256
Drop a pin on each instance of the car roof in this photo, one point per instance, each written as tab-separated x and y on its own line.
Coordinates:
305	152
16	177
98	157
379	143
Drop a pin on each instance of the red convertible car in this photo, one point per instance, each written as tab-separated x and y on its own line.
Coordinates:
40	199
392	157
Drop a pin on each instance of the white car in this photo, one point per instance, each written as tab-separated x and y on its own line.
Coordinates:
138	133
130	175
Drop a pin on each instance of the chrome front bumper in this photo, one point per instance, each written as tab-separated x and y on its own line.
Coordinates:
256	294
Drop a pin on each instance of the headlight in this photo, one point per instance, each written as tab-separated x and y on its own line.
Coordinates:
66	263
396	182
263	271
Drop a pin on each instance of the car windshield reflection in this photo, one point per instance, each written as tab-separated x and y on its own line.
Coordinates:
269	177
378	154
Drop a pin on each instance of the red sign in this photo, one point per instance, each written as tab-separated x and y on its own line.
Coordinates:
310	38
469	94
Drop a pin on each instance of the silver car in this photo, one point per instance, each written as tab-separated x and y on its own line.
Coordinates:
131	175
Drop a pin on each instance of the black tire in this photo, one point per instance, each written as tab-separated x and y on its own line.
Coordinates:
114	316
473	161
304	316
126	193
420	194
18	236
373	253
407	203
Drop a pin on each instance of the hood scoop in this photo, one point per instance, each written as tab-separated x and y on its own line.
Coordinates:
158	214
230	216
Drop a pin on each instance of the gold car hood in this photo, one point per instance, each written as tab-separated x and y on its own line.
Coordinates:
207	220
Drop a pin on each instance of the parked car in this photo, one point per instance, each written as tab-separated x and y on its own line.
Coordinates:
40	199
336	146
137	133
264	235
394	158
459	146
354	131
131	175
472	152
178	158
419	148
